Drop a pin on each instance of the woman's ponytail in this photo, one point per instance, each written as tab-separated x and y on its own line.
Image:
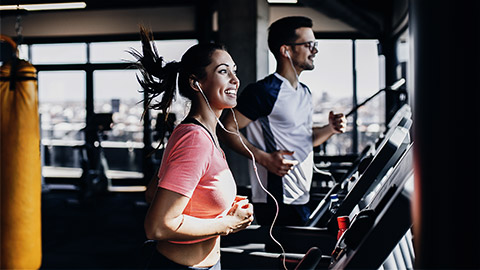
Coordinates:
156	77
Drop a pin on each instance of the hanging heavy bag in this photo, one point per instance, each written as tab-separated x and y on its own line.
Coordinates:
20	167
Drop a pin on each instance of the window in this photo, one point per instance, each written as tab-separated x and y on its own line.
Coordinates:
23	52
112	52
371	117
63	98
62	104
117	52
69	53
62	111
116	91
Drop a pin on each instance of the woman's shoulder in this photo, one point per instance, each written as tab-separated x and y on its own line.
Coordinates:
189	140
190	131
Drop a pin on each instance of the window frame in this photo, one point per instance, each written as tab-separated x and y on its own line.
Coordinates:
89	68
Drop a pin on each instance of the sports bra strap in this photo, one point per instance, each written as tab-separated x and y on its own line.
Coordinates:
191	120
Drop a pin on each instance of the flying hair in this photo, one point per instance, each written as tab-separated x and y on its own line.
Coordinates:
157	76
159	79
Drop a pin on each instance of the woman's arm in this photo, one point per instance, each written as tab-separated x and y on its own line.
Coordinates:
165	219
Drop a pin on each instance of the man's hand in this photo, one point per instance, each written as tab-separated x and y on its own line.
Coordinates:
337	122
277	164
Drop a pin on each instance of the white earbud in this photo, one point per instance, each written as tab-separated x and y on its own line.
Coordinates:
291	63
198	85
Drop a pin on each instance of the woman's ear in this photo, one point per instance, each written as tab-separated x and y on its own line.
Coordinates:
194	84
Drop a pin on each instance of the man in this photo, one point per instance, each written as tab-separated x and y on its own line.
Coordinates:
277	112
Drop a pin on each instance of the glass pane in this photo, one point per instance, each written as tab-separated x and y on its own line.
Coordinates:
371	117
117	92
368	68
62	113
69	53
117	52
174	49
112	52
23	52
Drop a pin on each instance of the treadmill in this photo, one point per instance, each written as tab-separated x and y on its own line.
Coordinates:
250	248
379	235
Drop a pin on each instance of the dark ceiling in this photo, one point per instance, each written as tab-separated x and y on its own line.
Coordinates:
109	4
369	17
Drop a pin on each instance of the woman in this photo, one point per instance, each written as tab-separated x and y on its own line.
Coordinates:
194	201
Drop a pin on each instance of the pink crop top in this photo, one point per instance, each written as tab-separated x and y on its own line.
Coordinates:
193	167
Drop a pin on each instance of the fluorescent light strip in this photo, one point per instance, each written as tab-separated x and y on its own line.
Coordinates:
51	6
282	1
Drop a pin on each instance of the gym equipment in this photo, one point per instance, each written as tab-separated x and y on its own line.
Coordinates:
382	229
320	216
21	245
94	181
386	157
374	233
323	229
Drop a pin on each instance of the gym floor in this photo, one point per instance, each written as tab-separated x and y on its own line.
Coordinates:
104	235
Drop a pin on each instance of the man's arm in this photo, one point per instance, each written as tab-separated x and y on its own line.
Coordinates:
274	162
337	123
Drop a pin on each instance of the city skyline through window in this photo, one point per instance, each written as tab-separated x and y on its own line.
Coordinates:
63	101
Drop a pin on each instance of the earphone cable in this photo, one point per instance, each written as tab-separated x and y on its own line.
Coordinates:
237	133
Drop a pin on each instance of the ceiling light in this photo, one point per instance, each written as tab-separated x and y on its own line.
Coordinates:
282	1
51	6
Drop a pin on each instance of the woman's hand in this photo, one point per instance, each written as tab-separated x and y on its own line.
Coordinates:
239	217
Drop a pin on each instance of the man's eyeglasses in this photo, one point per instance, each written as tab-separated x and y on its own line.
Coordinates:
310	44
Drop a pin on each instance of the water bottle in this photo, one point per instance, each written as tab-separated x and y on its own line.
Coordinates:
343	224
334	203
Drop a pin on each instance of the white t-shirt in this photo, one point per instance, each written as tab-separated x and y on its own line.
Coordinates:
282	120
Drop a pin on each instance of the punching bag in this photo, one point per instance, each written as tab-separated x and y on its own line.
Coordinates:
20	169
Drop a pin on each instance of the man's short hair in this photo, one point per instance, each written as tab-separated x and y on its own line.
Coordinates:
282	31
